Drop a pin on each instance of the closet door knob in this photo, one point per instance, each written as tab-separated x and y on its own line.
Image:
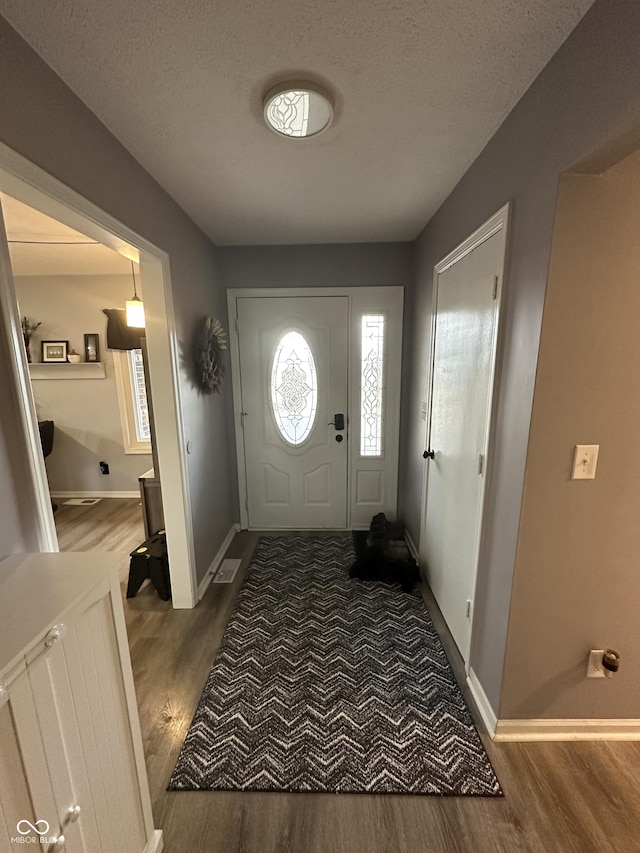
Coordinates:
429	454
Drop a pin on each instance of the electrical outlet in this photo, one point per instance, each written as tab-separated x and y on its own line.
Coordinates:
594	667
104	467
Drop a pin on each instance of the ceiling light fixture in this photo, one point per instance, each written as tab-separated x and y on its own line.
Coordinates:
134	307
298	109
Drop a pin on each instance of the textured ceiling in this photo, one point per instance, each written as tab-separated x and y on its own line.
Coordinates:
420	86
39	245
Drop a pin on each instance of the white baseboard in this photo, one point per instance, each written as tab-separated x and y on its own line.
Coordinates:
96	494
484	706
412	546
155	843
541	730
548	730
203	586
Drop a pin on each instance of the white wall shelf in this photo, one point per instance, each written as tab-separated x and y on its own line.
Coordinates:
63	370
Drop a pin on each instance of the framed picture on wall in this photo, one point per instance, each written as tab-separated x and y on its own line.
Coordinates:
54	351
91	347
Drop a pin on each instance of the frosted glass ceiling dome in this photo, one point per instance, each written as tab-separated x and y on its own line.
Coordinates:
298	109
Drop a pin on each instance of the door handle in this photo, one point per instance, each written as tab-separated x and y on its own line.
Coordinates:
337	422
429	454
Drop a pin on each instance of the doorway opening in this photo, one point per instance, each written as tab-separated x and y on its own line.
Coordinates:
32	187
91	402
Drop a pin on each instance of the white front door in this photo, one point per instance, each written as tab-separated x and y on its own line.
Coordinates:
463	370
294	379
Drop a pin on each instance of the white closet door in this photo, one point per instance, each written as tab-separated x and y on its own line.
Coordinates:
463	370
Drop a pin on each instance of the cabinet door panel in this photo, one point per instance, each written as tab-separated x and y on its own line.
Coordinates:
60	737
95	676
15	800
81	709
25	783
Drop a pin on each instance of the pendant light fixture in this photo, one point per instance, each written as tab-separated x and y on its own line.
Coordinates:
134	306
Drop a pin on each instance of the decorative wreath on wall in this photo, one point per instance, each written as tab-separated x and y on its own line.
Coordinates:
211	340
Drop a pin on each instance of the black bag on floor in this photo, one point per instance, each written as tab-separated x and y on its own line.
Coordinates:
386	557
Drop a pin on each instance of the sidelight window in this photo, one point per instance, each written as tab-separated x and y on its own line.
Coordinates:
372	385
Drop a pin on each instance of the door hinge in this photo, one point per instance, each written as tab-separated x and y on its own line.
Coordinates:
495	287
480	463
468	608
246	504
237	327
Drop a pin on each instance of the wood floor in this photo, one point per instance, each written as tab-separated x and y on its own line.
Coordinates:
565	797
113	524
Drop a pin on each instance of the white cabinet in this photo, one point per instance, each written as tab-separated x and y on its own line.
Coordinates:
72	769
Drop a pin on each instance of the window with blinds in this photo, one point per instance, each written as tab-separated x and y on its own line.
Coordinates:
132	399
139	394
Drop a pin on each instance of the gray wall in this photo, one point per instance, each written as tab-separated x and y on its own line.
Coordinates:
45	122
577	562
86	411
329	265
586	98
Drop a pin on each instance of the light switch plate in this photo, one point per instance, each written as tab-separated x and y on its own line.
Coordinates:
585	461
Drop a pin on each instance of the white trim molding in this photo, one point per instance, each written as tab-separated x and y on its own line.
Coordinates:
482	702
549	730
411	545
521	731
203	586
156	843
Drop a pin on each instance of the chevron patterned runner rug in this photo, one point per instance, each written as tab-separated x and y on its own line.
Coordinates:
324	683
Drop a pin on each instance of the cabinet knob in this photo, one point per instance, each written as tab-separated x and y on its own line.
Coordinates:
57	844
55	634
72	815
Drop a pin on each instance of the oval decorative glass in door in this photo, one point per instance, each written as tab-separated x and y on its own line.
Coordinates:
294	388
